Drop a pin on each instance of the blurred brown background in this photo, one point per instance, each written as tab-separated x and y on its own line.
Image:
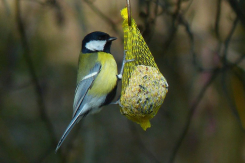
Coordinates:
197	44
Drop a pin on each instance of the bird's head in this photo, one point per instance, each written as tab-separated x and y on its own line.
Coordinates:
97	42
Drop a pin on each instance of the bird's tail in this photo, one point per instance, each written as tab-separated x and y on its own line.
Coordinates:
68	129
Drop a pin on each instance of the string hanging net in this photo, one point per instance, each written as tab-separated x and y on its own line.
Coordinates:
143	86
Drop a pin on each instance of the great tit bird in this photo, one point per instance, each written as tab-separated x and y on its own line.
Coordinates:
96	79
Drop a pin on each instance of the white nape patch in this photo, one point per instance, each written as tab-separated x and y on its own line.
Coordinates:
90	75
96	45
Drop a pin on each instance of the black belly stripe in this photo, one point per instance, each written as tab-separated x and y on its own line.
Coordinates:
110	96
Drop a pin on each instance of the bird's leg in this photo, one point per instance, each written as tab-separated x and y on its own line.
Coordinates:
119	76
117	102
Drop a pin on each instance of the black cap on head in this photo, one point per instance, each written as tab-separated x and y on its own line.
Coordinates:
97	41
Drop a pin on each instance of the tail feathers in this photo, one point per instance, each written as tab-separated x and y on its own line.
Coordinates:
67	131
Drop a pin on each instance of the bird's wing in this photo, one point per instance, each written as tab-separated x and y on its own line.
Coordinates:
81	91
83	87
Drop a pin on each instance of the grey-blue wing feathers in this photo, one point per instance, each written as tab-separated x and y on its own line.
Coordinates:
83	87
80	100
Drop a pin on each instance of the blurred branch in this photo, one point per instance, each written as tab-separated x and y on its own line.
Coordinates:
237	72
187	8
149	16
156	10
153	21
79	7
238	7
217	19
60	18
182	21
177	11
175	24
227	95
216	28
238	61
178	19
227	66
104	17
214	72
141	145
226	44
185	23
228	40
31	69
163	6
146	30
191	113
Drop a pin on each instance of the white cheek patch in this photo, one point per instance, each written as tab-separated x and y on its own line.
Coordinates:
96	45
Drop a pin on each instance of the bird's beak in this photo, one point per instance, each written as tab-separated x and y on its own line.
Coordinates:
111	39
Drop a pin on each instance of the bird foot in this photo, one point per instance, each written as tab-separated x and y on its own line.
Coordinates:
119	76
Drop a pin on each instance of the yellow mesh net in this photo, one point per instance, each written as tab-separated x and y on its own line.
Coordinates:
143	86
